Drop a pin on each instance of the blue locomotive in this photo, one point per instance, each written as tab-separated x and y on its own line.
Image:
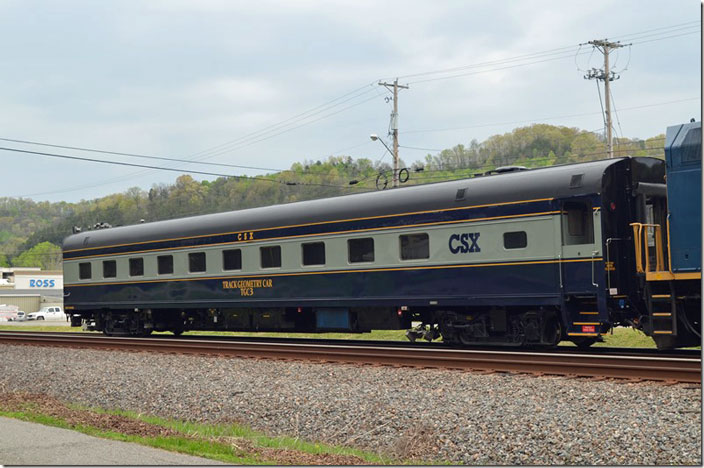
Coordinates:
517	258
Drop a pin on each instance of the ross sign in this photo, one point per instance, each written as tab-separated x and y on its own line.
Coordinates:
39	281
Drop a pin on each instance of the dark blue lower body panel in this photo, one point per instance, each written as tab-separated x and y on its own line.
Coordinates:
524	284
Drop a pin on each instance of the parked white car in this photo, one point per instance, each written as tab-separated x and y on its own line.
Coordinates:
47	313
20	317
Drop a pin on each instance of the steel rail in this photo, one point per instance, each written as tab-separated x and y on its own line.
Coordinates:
671	369
595	350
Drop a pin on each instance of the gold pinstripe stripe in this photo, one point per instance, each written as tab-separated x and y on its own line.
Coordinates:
388	228
365	270
324	222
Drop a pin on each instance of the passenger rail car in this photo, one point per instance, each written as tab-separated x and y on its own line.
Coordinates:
530	257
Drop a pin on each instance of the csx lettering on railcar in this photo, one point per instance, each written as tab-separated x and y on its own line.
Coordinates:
464	243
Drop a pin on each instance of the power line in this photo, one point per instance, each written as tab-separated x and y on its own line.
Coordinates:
497	124
487	166
301	116
192	171
118	179
673	26
581	155
666	37
560	57
421	149
134	155
560	50
664	30
618	121
249	143
558	54
357	93
209	152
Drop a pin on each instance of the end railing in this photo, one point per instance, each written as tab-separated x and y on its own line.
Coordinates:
640	238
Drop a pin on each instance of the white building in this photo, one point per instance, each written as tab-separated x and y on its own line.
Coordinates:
31	288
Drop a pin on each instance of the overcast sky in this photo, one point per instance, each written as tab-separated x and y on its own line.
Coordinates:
268	83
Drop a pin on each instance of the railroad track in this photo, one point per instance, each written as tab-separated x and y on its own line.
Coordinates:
636	367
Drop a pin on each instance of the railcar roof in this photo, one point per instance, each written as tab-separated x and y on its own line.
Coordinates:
548	182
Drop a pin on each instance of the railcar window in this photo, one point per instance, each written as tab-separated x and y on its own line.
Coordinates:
232	259
84	271
270	256
136	266
577	225
360	250
313	253
196	262
165	264
515	240
414	246
109	269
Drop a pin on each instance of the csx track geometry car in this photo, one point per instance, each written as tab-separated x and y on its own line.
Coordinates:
518	258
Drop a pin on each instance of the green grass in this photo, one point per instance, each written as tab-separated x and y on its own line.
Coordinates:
43	328
210	431
619	337
174	444
200	440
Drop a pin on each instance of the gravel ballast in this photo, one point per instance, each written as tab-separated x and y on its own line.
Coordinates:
432	415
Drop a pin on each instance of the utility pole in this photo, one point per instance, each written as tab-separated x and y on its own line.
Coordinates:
605	47
394	87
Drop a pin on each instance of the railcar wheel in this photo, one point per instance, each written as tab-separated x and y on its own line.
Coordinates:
466	338
553	332
665	342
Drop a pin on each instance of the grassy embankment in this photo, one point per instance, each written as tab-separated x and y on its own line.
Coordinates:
229	443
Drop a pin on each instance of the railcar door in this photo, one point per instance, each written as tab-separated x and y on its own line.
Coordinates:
580	247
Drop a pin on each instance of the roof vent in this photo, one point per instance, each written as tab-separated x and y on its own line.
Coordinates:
506	169
460	194
576	180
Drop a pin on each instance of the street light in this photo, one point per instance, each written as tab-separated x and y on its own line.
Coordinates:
374	137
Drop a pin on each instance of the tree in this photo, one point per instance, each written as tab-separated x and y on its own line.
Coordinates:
45	255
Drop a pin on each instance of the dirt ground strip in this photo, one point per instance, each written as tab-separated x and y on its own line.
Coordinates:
46	405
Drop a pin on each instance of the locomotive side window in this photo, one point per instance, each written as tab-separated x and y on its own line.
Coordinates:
313	253
136	266
515	240
415	246
577	225
165	264
196	262
84	271
109	269
360	250
270	256
232	259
